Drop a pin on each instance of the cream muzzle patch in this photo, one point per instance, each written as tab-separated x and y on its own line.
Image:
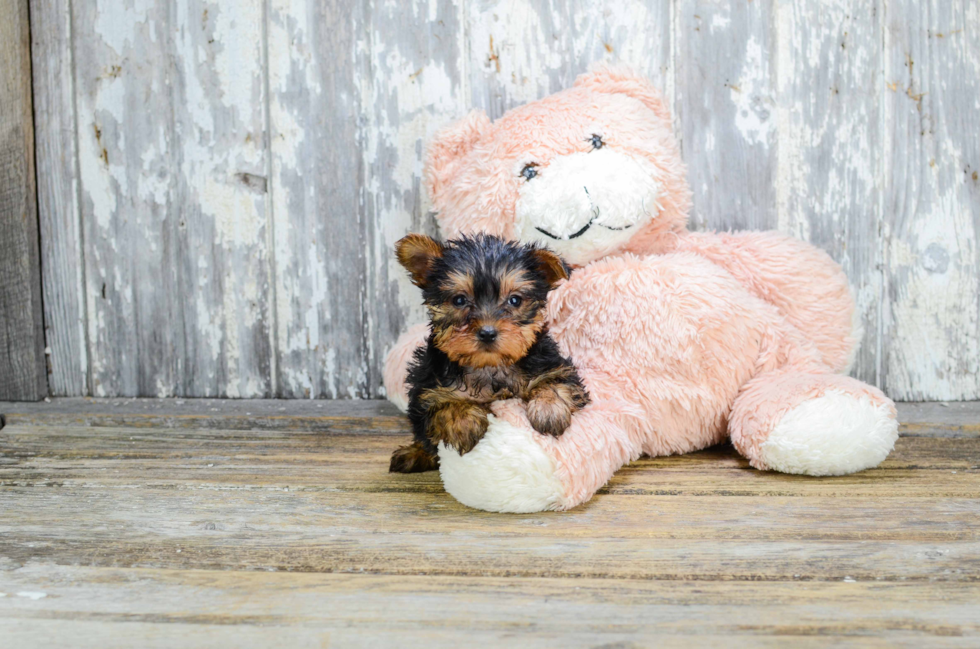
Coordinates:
587	204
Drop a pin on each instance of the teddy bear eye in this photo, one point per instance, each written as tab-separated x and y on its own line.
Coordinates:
459	300
529	171
596	141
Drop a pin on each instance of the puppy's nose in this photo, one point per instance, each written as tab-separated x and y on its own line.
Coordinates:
487	334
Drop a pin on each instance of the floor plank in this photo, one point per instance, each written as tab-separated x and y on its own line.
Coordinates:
200	607
161	458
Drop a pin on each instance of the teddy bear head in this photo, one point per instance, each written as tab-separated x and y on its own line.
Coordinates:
589	171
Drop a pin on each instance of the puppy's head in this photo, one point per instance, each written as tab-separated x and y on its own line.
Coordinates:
485	295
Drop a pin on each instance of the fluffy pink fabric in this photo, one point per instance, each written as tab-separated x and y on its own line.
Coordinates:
766	398
801	281
396	364
681	338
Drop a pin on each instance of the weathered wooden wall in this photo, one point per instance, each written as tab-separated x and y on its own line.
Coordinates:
220	184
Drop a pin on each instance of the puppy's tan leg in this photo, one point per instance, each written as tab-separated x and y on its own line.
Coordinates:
413	459
459	424
550	406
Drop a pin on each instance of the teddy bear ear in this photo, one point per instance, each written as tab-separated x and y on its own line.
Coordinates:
618	80
449	147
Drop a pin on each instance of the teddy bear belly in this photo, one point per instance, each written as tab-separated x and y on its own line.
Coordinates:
671	335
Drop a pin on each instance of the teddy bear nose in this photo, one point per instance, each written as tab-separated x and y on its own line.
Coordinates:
487	334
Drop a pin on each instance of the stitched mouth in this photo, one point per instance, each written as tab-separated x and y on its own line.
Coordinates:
571	236
576	235
585	228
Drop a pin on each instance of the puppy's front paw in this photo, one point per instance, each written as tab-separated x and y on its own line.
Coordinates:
548	413
459	426
412	459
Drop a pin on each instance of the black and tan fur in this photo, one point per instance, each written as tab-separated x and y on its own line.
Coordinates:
487	341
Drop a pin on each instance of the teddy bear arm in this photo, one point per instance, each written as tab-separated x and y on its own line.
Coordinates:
397	361
808	288
516	469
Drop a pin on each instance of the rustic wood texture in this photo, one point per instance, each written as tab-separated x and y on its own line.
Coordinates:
128	183
316	178
726	97
520	51
62	272
205	609
242	227
932	200
23	374
155	536
171	131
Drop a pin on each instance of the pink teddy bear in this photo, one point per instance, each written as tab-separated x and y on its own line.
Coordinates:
683	339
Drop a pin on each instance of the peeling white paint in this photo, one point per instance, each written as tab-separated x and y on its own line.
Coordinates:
316	298
238	25
719	22
164	388
238	220
209	324
751	97
932	262
32	594
96	179
934	279
117	23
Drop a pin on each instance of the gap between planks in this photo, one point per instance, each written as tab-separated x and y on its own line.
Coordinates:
930	419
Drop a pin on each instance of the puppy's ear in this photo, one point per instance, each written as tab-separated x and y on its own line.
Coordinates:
551	265
418	253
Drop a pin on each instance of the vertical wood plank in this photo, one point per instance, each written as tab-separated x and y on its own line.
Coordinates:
223	273
828	153
522	50
22	365
57	196
355	88
316	175
932	203
172	160
129	171
726	99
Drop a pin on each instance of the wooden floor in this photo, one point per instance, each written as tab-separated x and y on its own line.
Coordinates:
205	524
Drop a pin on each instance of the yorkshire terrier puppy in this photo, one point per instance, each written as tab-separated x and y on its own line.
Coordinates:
487	341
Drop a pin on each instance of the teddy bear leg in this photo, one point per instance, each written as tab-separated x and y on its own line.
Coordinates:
812	423
519	470
396	364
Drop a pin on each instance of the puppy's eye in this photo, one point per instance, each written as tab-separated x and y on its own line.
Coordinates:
529	171
459	300
596	141
515	300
